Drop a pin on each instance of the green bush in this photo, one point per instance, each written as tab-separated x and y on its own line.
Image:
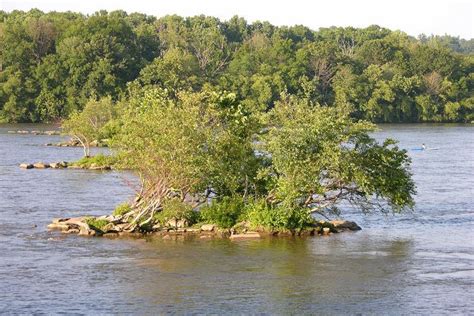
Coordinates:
176	209
260	214
224	213
98	160
98	224
122	209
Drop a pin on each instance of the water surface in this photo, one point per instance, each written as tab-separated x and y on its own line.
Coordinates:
420	263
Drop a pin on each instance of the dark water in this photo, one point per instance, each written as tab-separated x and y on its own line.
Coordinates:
420	263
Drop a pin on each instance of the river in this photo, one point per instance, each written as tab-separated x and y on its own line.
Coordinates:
415	263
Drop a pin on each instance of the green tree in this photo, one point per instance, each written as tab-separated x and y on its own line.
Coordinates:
88	125
320	158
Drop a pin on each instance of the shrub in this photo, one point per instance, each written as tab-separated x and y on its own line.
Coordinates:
122	209
176	209
225	212
98	160
260	214
97	224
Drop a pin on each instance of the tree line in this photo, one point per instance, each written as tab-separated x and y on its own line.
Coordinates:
52	64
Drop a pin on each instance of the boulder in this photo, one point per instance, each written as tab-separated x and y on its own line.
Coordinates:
345	225
248	235
41	165
59	220
71	231
63	164
58	226
177	223
208	227
326	230
26	166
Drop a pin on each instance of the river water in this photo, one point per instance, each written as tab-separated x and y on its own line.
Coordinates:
417	263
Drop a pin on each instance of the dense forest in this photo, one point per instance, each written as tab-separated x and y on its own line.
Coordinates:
52	64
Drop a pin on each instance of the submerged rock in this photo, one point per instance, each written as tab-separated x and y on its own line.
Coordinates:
342	225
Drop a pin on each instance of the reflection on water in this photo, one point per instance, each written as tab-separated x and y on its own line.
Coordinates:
418	263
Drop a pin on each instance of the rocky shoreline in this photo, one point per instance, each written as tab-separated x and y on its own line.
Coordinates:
62	165
113	226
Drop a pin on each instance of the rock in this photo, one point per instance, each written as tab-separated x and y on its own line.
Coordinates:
248	235
193	230
71	231
59	220
85	232
94	143
51	133
177	223
63	164
41	165
58	165
23	132
58	226
345	225
208	227
166	237
326	230
26	166
74	167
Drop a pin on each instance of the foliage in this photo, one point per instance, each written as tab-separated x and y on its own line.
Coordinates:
95	223
320	157
175	209
225	212
52	64
99	160
187	147
90	124
296	159
122	209
263	215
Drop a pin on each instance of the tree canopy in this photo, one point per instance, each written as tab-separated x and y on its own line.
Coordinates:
52	64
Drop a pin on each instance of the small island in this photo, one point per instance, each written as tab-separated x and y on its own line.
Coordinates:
208	165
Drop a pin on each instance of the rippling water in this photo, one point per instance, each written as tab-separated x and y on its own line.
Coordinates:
420	263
